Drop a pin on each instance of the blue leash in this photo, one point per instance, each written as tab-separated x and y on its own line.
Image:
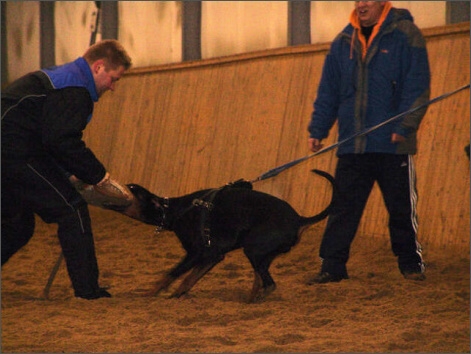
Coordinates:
275	171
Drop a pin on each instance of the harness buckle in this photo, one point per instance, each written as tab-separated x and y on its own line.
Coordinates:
202	203
207	236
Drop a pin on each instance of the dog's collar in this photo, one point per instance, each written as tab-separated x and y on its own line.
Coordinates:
164	205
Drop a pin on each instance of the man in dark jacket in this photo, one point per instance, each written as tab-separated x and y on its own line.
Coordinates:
43	116
377	67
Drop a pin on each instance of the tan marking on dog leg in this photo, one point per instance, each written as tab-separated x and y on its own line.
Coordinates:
257	286
196	274
268	290
160	285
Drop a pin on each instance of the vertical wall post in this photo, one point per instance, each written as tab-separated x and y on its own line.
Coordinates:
47	34
4	45
299	22
457	11
109	19
191	30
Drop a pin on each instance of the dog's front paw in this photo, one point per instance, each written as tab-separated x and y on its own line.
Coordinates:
152	293
160	285
176	295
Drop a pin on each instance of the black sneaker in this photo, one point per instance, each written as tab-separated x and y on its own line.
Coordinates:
95	295
325	277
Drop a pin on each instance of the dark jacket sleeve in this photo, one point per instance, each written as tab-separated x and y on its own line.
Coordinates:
416	85
66	112
326	105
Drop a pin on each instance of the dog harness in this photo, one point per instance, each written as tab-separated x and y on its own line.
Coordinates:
205	221
206	204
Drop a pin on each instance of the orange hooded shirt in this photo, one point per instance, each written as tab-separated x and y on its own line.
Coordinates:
355	22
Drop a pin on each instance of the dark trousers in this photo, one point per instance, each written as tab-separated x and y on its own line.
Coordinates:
40	187
355	176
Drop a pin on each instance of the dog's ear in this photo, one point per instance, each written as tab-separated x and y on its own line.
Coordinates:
139	192
241	183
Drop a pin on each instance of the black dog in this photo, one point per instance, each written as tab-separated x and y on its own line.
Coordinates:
209	223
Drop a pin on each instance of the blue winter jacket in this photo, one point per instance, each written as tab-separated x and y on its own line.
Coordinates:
364	85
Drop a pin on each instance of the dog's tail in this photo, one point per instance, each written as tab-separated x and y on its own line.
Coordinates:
325	213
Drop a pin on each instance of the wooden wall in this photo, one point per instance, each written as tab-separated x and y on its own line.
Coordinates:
178	128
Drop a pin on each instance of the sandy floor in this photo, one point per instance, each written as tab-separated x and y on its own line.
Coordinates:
374	311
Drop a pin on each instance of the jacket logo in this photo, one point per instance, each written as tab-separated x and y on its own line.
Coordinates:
385	51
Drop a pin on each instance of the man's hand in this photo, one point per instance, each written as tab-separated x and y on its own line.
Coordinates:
315	144
396	138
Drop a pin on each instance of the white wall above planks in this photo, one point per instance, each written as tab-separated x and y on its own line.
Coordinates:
151	30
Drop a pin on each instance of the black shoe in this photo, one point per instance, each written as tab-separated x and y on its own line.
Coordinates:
325	277
95	295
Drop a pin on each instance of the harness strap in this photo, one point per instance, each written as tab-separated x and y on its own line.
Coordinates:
206	204
205	220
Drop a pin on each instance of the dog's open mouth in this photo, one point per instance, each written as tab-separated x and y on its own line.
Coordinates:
132	209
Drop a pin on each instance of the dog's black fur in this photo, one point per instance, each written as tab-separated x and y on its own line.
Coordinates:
222	220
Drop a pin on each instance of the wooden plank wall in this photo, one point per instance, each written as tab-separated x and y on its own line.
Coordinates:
182	127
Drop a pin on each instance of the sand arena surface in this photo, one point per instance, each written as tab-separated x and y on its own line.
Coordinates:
376	310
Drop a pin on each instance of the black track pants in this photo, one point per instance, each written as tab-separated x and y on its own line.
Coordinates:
355	176
39	187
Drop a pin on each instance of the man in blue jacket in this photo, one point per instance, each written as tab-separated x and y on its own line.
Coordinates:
377	67
43	116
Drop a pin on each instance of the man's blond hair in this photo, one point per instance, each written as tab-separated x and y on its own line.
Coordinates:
111	51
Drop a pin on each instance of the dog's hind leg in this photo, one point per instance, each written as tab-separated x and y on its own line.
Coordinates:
196	274
256	287
259	292
263	282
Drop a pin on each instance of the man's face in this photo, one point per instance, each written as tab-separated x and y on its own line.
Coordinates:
105	79
369	12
